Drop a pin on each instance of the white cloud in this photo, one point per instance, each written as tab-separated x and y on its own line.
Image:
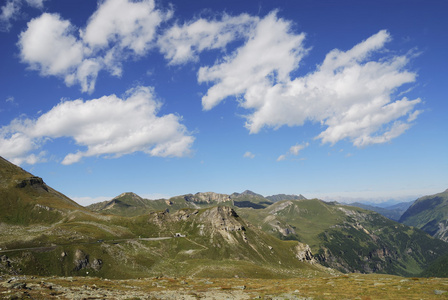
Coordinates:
181	44
125	24
269	55
118	29
249	155
294	150
281	157
11	10
49	45
35	3
349	93
108	126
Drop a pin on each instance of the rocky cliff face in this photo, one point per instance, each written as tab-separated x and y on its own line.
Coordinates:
303	253
34	182
222	218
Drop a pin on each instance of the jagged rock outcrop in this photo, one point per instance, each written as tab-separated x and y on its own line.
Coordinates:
222	218
34	182
303	253
81	261
442	232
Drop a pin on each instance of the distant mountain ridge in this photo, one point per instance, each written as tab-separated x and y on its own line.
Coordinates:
342	237
131	204
392	212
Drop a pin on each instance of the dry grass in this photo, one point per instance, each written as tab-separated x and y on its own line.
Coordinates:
351	286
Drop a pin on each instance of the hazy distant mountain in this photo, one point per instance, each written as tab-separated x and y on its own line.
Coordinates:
393	212
429	213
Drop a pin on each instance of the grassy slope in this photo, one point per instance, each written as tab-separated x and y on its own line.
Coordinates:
25	199
350	238
427	212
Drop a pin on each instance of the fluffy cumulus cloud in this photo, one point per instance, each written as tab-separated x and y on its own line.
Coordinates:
271	52
124	24
181	44
349	94
108	126
118	29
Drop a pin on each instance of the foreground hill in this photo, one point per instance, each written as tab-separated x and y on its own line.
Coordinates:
429	213
352	286
26	199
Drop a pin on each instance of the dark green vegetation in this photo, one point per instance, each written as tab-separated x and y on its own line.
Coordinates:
350	239
429	213
199	235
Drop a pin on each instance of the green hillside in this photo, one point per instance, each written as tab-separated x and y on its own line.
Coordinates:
349	239
26	199
429	213
42	232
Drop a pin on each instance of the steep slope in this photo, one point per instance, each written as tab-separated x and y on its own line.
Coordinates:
349	239
26	199
429	213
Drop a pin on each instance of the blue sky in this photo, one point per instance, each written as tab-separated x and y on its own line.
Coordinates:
341	100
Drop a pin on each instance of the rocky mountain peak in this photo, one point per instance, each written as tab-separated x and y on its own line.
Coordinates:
222	218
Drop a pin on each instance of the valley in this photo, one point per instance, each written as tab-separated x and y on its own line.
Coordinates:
207	245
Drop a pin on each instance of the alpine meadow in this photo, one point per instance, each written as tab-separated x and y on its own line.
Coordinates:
157	149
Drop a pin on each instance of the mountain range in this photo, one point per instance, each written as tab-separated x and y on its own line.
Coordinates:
206	234
393	212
